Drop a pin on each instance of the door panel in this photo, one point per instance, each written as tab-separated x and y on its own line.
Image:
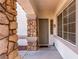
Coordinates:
43	31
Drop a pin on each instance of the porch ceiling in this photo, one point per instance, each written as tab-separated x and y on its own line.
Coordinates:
45	7
41	7
26	5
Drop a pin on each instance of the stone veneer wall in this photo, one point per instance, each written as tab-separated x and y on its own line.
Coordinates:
32	35
8	25
31	28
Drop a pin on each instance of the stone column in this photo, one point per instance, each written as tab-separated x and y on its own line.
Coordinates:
31	28
32	34
8	26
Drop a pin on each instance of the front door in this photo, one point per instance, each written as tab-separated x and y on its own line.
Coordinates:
43	32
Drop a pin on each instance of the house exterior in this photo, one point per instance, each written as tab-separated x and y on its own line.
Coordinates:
49	23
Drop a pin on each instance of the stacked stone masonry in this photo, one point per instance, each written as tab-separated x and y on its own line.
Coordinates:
32	34
8	26
31	27
32	46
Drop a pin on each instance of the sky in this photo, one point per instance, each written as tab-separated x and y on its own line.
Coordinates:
22	21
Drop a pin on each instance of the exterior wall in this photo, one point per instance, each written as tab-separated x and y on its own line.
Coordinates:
62	45
51	39
50	35
8	26
66	49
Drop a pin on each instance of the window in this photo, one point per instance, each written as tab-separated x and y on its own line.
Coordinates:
67	23
59	25
51	26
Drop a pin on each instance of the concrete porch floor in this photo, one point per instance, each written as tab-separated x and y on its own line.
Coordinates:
42	53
